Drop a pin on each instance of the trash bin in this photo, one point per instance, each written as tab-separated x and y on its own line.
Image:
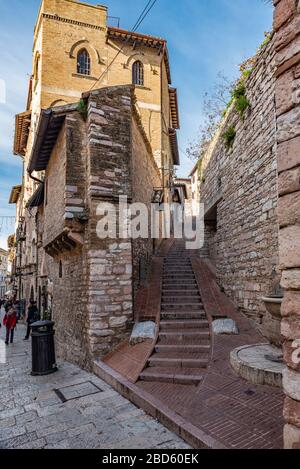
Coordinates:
43	352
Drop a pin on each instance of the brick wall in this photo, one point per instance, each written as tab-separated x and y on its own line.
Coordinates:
240	186
287	27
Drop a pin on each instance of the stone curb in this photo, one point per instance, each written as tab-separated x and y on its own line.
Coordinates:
194	436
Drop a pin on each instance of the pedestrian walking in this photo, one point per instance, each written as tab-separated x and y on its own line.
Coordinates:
10	321
32	316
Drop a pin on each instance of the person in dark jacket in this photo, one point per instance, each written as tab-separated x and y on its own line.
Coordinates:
10	321
32	316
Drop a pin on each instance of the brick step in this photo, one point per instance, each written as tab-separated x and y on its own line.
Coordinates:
178	362
181	302
179	290
188	376
179	262
184	335
185	296
179	286
178	270
180	282
197	306
178	275
181	297
189	324
170	315
183	349
191	341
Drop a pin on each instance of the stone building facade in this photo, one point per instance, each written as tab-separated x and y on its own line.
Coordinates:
287	44
3	271
76	51
239	189
88	163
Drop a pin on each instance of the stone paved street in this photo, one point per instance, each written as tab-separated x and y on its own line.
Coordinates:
32	415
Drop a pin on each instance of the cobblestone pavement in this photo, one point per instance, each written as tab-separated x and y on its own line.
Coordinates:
33	415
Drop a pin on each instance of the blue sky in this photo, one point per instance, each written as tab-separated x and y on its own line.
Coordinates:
204	38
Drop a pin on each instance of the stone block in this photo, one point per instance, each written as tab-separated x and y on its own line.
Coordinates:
289	246
291	384
143	331
118	321
290	326
289	181
291	412
291	351
283	12
291	435
291	304
289	209
288	125
225	326
287	33
288	154
287	92
291	279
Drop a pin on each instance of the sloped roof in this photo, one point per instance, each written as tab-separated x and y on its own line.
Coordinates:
141	39
174	108
22	125
15	194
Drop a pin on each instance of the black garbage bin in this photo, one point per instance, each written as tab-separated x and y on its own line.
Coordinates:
43	352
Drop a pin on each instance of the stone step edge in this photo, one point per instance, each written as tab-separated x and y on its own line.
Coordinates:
194	436
198	363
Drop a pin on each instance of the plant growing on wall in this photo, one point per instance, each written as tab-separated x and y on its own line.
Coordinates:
228	137
240	99
82	109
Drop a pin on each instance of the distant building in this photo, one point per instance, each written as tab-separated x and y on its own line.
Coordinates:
195	192
3	271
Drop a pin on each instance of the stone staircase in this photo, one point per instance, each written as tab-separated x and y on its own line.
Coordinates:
182	351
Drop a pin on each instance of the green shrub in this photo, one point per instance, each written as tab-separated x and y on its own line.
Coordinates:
82	109
241	101
228	137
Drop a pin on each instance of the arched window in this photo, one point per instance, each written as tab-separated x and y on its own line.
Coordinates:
83	62
138	73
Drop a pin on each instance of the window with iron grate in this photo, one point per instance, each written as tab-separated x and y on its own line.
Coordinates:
83	62
138	73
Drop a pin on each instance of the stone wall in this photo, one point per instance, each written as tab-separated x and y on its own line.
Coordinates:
287	27
55	183
67	271
145	176
239	189
109	294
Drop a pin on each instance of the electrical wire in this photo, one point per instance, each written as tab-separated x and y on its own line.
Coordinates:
145	15
139	18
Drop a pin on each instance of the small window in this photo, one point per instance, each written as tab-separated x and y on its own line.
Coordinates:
138	73
60	269
83	62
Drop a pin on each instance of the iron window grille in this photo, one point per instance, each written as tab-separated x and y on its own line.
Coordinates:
138	73
83	62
